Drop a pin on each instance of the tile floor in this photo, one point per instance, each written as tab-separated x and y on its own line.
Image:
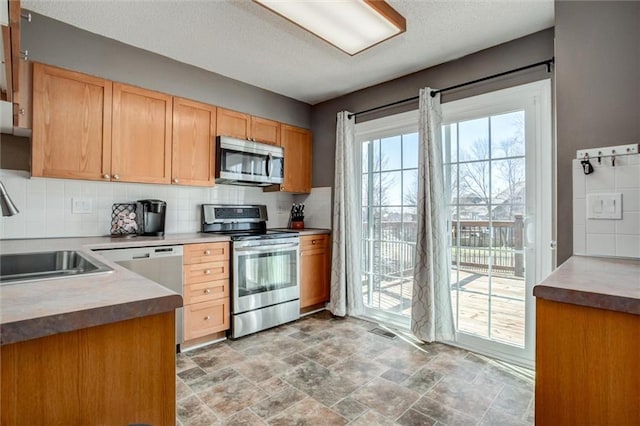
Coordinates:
323	370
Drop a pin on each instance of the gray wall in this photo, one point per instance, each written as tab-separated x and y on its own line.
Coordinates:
597	89
56	43
533	48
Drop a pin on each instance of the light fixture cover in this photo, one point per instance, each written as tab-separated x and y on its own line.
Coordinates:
350	25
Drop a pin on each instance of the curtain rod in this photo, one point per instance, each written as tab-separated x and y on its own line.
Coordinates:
548	63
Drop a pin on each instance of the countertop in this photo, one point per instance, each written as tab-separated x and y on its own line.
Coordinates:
29	310
597	282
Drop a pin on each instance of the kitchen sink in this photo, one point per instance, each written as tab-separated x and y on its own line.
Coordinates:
21	267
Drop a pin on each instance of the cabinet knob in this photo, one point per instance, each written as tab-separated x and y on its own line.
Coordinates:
116	176
207	291
175	180
313	241
207	271
106	176
21	111
207	252
24	54
26	16
207	318
282	187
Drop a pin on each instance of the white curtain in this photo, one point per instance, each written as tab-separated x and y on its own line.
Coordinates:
431	313
346	283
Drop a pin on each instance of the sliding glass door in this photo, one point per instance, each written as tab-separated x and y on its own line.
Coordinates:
389	151
498	167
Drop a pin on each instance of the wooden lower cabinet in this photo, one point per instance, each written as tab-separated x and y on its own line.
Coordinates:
315	262
586	365
115	374
206	290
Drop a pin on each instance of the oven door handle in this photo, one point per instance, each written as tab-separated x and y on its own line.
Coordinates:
267	248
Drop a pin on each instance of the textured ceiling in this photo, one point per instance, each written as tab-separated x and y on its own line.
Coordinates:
244	41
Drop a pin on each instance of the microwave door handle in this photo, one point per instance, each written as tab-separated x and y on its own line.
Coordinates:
269	165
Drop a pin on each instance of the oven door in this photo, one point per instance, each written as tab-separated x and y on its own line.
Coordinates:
248	162
265	273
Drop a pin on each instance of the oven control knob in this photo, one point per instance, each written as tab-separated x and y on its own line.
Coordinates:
207	291
207	252
207	318
207	271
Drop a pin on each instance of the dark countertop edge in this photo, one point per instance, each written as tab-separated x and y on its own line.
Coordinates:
588	299
34	328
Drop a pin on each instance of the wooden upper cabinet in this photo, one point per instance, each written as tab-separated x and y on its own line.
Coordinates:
297	159
233	123
71	124
194	134
265	131
141	145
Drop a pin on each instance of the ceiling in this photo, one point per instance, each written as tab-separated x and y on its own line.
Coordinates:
242	40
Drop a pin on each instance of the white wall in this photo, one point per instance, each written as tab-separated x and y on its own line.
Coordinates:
317	207
606	237
45	205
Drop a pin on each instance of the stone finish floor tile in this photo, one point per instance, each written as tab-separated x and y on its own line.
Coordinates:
415	418
349	408
325	370
308	412
385	397
231	396
243	418
192	411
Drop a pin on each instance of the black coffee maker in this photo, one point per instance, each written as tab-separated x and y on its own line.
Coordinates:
153	214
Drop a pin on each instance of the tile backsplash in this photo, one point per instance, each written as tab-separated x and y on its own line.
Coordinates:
317	207
608	237
46	205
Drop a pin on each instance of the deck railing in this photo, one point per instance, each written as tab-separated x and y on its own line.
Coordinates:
478	245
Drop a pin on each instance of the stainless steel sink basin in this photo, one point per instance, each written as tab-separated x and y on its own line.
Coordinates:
47	265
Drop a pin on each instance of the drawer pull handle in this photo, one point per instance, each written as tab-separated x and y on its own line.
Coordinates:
207	271
207	318
207	291
207	252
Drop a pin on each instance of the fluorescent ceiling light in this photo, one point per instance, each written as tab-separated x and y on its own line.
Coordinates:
350	25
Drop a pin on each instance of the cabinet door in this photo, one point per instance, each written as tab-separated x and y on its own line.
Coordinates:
71	124
233	123
314	272
297	159
194	133
23	110
141	147
265	131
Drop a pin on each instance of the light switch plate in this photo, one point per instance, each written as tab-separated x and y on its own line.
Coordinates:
604	206
81	205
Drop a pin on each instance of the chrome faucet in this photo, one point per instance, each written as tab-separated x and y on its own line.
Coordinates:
8	208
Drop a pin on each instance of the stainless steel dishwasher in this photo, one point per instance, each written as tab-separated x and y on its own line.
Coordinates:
162	264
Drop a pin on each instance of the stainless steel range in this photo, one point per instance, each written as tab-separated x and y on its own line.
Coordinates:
265	268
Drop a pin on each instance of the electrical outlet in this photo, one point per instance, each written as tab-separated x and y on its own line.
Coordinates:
81	205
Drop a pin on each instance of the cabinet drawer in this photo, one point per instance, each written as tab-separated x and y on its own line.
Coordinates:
201	319
202	272
206	252
309	242
206	291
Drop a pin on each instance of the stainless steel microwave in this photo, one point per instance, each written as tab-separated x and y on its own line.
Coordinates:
242	162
